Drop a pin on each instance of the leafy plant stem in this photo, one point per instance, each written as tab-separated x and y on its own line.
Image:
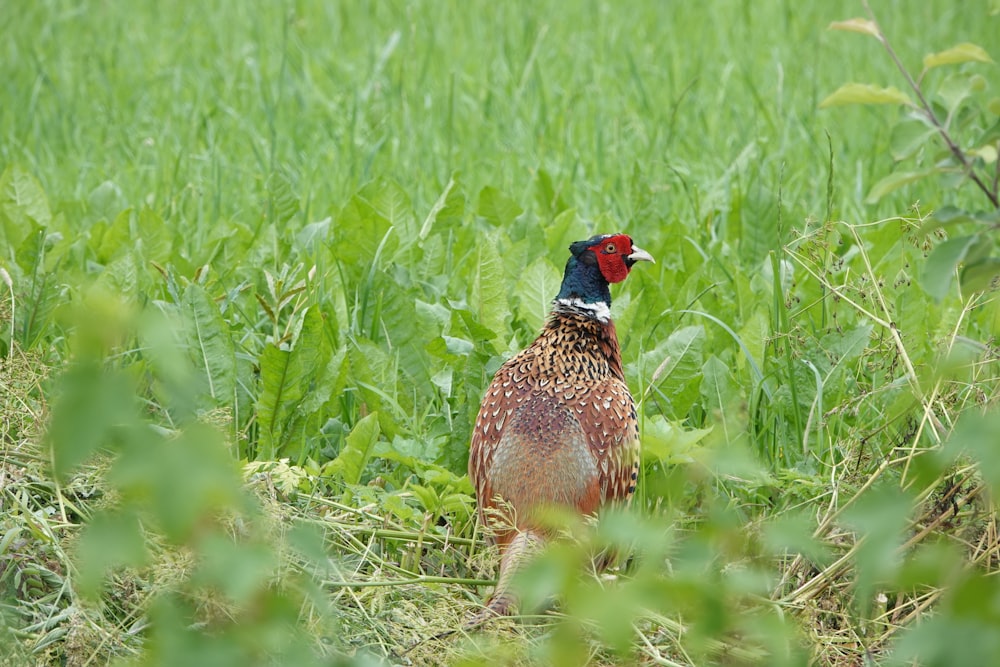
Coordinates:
991	193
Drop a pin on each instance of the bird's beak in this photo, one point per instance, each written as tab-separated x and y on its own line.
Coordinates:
640	255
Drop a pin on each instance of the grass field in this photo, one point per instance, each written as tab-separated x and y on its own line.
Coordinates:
261	259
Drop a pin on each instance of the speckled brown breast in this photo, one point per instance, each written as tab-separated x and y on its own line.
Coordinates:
557	425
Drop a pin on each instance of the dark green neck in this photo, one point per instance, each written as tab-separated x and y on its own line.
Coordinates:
583	280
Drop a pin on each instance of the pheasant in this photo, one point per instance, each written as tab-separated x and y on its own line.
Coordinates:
557	425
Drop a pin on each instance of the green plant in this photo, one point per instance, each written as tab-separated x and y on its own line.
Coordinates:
952	132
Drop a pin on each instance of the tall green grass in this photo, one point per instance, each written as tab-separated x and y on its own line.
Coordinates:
293	240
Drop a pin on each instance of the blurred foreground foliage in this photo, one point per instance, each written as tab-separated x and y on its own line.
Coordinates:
241	352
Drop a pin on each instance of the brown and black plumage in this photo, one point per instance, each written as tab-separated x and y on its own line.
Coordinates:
557	426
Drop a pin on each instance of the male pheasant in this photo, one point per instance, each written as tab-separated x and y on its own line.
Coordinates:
557	425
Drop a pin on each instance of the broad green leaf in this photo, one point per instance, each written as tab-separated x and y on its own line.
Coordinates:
210	345
864	93
31	252
391	202
360	232
408	324
908	137
359	445
754	336
880	517
108	541
792	532
234	567
550	199
978	435
956	88
181	482
285	377
535	290
24	208
565	229
110	240
895	181
313	234
372	371
964	628
980	276
669	443
90	409
489	297
105	202
962	53
154	237
952	215
715	391
987	154
281	199
497	208
450	205
859	25
848	345
678	363
942	262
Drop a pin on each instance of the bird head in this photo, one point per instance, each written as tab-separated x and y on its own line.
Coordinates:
596	262
614	255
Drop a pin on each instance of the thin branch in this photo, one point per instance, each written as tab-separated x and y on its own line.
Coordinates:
959	154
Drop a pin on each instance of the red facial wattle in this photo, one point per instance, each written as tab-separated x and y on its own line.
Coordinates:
611	254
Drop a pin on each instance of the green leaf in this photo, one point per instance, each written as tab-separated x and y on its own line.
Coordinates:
31	252
210	345
285	378
566	228
962	53
371	370
497	208
942	262
155	239
408	324
669	443
715	384
865	93
678	362
180	483
956	88
313	234
23	206
981	276
792	532
535	290
845	346
895	181
859	25
361	230
450	205
391	202
90	410
489	290
105	202
359	445
110	241
281	199
238	569
880	517
109	540
978	435
908	137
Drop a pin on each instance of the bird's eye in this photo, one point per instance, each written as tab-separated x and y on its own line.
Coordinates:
609	248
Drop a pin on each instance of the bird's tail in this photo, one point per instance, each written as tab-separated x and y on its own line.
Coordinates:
504	600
